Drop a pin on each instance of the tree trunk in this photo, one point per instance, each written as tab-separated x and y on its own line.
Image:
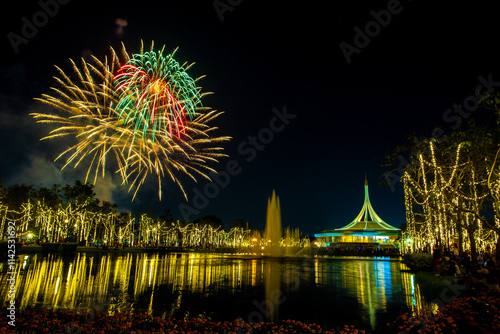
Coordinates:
460	234
498	249
473	250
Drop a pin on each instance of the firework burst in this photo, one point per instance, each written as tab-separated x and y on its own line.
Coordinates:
94	110
155	92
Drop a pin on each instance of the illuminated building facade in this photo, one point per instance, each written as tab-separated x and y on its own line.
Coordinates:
367	228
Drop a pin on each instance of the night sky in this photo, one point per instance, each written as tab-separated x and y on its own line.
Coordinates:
262	60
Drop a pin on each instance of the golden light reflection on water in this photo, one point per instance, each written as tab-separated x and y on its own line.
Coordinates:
118	282
411	291
373	283
254	272
57	282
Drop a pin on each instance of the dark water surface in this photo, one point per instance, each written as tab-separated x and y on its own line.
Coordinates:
366	292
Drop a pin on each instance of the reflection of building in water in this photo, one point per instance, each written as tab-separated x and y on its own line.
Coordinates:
372	283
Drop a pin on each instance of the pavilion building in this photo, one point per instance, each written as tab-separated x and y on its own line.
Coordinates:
367	229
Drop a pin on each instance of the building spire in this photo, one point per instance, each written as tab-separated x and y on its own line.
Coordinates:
367	214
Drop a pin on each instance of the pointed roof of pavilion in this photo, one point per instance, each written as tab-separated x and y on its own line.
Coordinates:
367	222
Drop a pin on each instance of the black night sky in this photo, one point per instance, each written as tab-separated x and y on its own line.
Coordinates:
339	116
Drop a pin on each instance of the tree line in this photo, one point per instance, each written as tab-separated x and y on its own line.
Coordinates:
452	189
73	213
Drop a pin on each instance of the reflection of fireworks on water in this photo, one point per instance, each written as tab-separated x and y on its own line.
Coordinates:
90	112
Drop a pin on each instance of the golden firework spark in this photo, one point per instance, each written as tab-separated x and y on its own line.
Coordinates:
87	103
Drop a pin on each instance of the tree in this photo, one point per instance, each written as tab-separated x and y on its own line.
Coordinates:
17	195
447	181
80	195
49	197
3	191
19	206
211	220
241	224
167	217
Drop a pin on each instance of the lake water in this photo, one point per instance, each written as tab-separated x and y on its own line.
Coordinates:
328	291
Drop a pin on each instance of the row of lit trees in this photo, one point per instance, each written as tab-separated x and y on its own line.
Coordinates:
70	213
73	213
207	232
197	234
451	189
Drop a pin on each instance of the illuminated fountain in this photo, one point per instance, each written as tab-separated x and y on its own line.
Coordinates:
275	245
272	233
275	242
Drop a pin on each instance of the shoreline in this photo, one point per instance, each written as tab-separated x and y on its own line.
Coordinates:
465	314
36	249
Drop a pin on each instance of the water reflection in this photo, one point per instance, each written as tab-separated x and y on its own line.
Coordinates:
274	294
411	289
319	290
374	284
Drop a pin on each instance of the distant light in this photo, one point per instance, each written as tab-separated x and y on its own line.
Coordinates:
30	235
408	240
